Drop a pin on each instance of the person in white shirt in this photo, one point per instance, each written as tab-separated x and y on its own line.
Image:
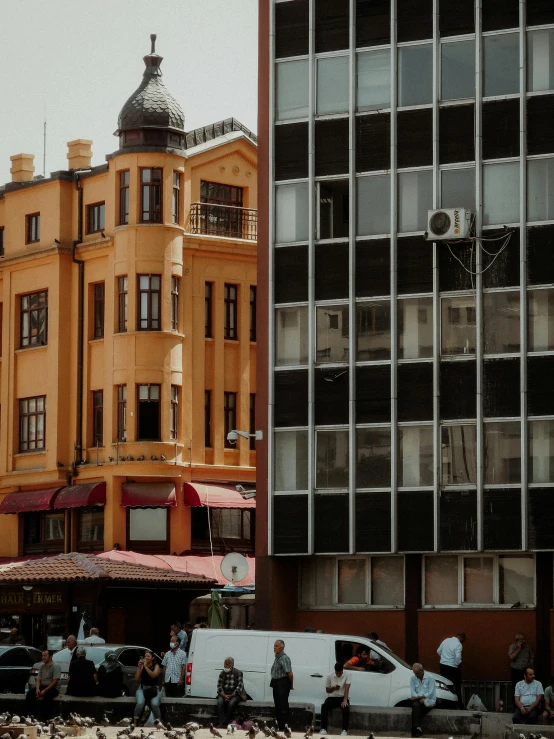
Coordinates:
94	637
423	696
337	687
450	653
528	698
374	636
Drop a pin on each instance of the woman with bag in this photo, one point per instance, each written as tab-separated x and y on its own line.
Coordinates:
147	675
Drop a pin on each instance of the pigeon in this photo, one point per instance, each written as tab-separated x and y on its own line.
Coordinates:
189	734
105	720
214	732
266	730
7	735
125	722
371	736
15	719
158	724
309	732
100	734
231	728
251	733
193	726
287	732
124	732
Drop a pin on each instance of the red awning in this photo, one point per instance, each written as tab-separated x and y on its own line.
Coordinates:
215	496
77	496
148	494
25	501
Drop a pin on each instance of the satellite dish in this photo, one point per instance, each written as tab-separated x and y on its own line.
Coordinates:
234	567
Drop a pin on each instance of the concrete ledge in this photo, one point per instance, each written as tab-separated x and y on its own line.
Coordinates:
392	721
176	710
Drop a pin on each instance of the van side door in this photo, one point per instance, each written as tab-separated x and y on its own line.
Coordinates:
370	686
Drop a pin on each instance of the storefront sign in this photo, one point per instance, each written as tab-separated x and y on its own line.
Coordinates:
36	598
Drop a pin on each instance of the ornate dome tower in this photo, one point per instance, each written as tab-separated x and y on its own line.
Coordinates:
151	118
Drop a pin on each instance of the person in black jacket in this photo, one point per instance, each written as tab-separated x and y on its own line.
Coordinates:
81	680
110	677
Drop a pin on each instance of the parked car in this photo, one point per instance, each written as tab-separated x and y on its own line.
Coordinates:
127	655
313	657
16	663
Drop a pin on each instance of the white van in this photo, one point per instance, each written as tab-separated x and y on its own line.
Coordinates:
313	657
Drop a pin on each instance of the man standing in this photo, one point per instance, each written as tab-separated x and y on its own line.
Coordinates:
337	686
374	636
450	653
45	686
282	683
423	696
229	692
81	680
94	637
174	665
528	697
521	657
177	629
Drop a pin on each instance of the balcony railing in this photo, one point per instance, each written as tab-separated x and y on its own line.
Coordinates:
224	220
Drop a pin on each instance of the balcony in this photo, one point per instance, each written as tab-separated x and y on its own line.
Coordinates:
224	220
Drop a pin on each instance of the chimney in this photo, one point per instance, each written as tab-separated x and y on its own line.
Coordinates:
23	168
79	154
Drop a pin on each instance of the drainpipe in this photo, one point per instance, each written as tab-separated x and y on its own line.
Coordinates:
78	449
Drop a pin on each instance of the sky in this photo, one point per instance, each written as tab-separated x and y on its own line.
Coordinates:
76	62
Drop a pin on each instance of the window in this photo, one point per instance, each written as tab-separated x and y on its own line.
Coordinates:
208	307
122	304
415	198
373	194
96	217
122	412
207	418
291	336
176	203
291	460
541	320
501	320
458	188
459	454
33	228
415	456
43	532
174	414
291	212
99	304
223	213
213	527
501	64
151	195
32	424
1	241
373	330
229	416
149	302
373	80
148	412
174	303
34	319
342	582
124	181
502	452
541	451
90	528
373	458
292	90
98	418
332	85
252	313
332	333
148	530
458	70
231	316
216	193
415	328
334	220
415	75
540	60
501	193
500	579
458	325
540	189
252	421
332	460
230	523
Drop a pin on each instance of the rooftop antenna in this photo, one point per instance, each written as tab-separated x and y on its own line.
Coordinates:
153	40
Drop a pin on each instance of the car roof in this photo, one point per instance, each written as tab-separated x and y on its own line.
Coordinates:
7	647
98	649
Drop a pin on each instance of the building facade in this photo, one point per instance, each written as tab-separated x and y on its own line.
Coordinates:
128	339
406	387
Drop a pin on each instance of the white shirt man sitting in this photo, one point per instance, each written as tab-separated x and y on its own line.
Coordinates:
528	698
337	687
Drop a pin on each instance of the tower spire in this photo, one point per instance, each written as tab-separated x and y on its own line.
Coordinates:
153	42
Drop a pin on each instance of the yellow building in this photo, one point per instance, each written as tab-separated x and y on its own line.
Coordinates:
128	306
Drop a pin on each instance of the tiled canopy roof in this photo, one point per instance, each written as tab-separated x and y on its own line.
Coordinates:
75	567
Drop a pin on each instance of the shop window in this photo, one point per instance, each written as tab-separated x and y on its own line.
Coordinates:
332	459
175	303
226	527
415	328
148	530
90	528
373	460
230	300
501	193
229	417
540	60
174	414
291	336
458	188
334	220
373	80
291	460
43	532
124	182
149	288
151	195
501	64
291	90
541	451
415	75
501	322
458	70
415	456
458	325
208	309
148	412
332	85
373	330
497	580
32	424
122	304
459	454
208	418
34	319
98	310
540	189
32	224
332	333
373	213
96	217
176	200
122	412
98	418
502	452
253	302
415	198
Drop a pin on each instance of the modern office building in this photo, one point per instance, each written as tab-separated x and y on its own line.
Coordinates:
407	387
128	304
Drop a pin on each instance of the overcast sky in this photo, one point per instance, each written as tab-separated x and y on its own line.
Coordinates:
79	61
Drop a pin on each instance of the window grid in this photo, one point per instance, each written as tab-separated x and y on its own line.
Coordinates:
175	303
99	306
122	412
33	228
34	319
252	313
174	414
208	418
229	416
122	304
124	183
230	312
96	217
98	418
149	295
151	198
176	202
32	424
208	309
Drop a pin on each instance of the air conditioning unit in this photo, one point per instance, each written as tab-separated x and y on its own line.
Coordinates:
448	224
